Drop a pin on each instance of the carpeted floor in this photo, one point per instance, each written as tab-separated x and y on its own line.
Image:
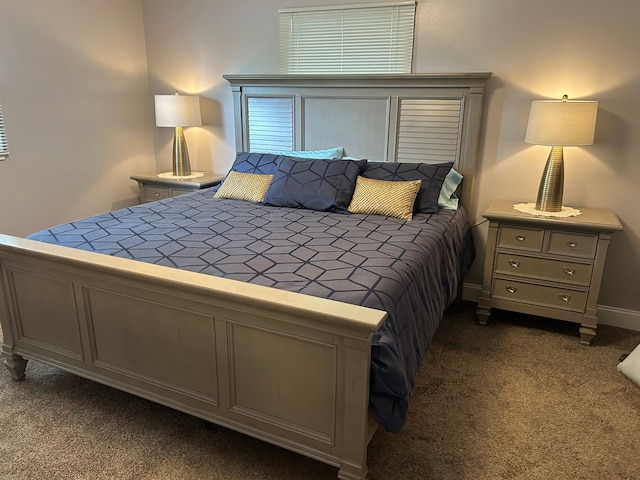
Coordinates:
519	398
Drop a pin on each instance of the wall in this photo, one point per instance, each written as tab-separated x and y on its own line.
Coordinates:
536	50
76	102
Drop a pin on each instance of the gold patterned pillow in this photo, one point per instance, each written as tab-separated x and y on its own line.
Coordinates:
384	197
250	187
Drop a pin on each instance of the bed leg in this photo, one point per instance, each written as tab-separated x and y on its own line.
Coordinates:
14	363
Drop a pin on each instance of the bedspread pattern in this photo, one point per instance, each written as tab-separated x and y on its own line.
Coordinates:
408	269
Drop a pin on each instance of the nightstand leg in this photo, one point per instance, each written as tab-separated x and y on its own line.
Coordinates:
588	329
586	335
483	315
484	308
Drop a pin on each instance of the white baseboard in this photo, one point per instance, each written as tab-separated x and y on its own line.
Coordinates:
613	316
619	317
471	292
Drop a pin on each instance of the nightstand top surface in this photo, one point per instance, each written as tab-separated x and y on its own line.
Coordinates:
208	179
600	219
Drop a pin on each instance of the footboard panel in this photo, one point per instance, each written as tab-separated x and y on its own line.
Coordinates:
284	367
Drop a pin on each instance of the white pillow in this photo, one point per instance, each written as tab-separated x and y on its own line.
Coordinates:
630	366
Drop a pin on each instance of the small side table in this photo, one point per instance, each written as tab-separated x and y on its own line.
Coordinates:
152	187
546	266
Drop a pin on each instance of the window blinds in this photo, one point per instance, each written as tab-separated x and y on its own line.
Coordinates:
429	131
4	146
366	38
270	121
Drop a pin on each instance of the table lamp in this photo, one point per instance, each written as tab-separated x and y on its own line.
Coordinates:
178	111
558	123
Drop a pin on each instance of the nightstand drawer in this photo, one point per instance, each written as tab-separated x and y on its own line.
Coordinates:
543	268
175	192
548	296
574	244
521	238
158	186
155	193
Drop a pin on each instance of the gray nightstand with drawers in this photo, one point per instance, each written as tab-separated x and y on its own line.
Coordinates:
152	187
546	266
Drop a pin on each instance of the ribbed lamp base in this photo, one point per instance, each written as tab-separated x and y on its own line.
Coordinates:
552	183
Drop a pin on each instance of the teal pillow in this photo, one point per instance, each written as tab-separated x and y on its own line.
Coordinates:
335	152
448	200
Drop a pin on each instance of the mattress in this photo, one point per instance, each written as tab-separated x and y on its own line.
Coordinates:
410	269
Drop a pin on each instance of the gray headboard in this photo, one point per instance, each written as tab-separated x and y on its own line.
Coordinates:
391	118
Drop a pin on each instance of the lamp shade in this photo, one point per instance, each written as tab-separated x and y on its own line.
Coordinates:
178	110
561	123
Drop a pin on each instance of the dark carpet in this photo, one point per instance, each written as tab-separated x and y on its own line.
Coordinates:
519	398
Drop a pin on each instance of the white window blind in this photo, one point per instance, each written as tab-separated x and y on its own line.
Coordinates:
429	130
4	146
365	38
270	122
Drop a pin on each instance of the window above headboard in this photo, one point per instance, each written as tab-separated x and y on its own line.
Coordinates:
357	38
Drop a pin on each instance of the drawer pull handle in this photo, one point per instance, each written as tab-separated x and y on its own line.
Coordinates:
564	297
521	238
511	289
572	244
569	271
514	263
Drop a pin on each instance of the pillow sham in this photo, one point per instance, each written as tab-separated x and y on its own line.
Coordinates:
251	162
250	187
335	152
448	200
431	174
317	184
383	197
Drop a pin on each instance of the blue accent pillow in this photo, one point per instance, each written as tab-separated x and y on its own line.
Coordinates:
320	184
431	174
335	152
448	199
262	163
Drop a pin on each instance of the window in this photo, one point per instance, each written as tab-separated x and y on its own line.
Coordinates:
365	38
4	147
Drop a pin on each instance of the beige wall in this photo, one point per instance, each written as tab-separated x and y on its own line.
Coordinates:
76	102
541	49
73	82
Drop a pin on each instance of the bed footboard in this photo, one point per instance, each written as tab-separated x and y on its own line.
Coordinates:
287	368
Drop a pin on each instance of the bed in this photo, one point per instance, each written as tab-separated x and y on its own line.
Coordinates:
304	327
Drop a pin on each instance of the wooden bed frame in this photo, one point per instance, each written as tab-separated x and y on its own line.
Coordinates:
287	368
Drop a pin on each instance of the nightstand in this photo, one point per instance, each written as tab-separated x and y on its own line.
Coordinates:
546	266
152	187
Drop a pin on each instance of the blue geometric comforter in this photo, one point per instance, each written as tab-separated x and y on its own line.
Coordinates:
408	269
